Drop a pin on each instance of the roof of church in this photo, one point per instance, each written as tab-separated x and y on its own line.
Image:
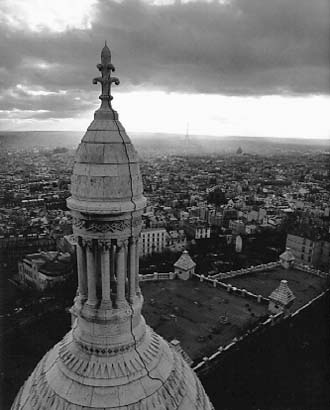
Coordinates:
282	294
185	262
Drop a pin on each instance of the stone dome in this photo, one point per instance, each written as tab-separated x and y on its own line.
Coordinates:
152	376
110	359
106	175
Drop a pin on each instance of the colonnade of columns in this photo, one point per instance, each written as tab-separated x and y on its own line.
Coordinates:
108	271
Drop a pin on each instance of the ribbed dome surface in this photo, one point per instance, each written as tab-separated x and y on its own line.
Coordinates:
106	174
151	376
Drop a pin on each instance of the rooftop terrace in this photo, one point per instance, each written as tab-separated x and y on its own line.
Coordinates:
305	286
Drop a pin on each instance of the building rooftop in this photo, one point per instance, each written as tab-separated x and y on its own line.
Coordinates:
51	263
201	317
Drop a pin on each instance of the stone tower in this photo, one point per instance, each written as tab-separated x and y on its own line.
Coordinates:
110	359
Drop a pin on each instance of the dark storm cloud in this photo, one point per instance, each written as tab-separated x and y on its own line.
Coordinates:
246	47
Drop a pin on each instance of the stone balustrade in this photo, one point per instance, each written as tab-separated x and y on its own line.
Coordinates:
157	276
312	271
231	289
245	271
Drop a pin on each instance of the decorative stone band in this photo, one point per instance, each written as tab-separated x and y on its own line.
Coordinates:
95	367
107	351
103	227
120	229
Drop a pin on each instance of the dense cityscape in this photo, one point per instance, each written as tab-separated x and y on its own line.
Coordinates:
238	199
231	211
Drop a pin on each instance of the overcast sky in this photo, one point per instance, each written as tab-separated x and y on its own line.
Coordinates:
234	67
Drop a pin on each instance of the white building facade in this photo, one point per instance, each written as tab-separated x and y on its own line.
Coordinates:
152	240
45	269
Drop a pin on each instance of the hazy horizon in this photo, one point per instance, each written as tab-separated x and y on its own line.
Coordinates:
227	67
158	144
174	134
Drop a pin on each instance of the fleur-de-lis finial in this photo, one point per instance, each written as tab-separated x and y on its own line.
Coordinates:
106	80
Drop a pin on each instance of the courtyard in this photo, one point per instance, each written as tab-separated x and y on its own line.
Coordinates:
201	317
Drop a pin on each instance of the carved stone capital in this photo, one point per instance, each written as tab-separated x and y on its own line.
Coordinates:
133	240
88	243
122	244
105	245
79	241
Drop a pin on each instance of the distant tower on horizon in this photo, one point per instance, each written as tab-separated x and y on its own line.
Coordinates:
239	151
110	359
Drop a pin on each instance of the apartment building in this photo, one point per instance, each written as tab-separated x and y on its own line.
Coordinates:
152	240
309	251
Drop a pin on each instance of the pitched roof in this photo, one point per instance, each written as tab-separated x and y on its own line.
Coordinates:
185	262
283	294
287	255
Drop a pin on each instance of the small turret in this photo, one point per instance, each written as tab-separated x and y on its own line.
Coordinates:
287	259
281	299
184	267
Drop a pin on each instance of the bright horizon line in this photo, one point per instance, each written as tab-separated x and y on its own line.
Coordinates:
212	115
175	134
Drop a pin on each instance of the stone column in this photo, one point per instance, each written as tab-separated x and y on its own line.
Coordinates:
120	271
91	273
137	266
105	273
82	272
132	268
113	250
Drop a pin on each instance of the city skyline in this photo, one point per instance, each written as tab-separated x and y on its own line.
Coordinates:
226	68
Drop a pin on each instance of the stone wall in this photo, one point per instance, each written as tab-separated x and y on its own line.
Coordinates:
312	271
231	289
268	266
244	271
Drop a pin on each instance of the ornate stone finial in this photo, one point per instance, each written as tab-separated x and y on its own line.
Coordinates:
106	80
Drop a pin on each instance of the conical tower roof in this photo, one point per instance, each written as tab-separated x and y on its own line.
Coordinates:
282	294
110	359
185	262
